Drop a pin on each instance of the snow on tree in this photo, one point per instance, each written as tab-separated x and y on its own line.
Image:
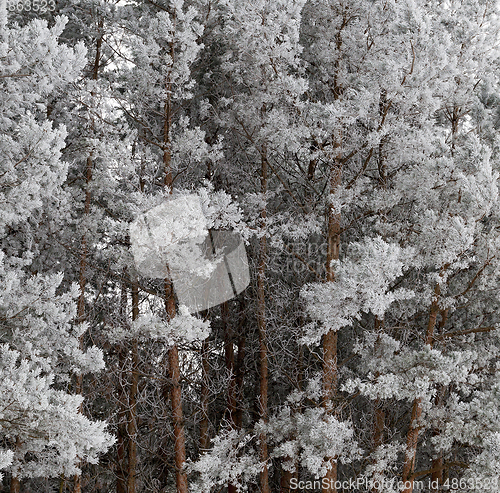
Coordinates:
43	430
353	145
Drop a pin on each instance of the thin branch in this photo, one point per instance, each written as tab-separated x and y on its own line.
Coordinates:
464	332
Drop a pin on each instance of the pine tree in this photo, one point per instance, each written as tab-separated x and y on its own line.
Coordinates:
44	433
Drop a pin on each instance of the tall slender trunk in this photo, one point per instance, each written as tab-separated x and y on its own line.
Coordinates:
378	430
378	405
177	419
378	423
287	476
330	369
174	377
437	463
77	485
416	412
132	399
173	353
15	485
261	323
229	360
237	383
205	394
239	373
121	435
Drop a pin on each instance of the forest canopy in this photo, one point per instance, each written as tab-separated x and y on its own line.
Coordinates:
332	164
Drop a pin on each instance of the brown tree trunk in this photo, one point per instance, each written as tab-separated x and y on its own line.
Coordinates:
229	360
330	384
177	419
437	463
286	480
77	486
173	353
132	400
240	371
15	485
378	406
378	423
261	323
121	438
174	377
330	370
205	394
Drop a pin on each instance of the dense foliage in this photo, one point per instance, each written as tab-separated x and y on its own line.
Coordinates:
352	144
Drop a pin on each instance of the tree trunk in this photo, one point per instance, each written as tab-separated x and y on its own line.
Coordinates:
261	323
378	423
378	405
121	438
173	353
240	371
15	485
177	419
77	487
330	370
286	480
437	463
205	394
229	360
132	400
330	384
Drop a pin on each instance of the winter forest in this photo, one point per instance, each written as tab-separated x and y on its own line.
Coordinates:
352	150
